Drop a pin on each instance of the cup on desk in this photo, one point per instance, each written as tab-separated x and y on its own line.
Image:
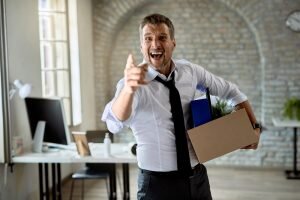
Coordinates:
81	143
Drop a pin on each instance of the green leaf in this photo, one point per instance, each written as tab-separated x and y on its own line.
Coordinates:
291	109
220	109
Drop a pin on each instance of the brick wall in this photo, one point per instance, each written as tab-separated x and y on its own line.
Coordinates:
245	42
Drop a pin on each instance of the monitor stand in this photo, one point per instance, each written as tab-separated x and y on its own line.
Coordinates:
37	145
48	146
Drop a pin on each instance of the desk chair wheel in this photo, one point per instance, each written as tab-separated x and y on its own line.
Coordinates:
88	174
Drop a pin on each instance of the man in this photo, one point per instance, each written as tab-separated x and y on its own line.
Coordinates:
143	103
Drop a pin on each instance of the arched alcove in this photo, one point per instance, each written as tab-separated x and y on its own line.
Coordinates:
208	33
242	41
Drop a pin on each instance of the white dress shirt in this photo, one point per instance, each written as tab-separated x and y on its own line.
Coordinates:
150	120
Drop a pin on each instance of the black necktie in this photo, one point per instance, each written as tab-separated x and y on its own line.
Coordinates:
183	158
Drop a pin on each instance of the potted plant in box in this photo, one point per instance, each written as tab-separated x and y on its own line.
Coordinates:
220	109
291	109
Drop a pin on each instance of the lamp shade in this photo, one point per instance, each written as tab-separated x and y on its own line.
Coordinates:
24	89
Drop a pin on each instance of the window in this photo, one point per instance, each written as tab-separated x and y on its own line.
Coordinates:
60	55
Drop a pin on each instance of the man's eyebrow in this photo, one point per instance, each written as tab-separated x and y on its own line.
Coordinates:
146	34
161	34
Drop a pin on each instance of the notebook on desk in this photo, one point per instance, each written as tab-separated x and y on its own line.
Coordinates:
81	143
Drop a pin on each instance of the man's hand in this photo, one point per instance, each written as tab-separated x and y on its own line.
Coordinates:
253	146
134	75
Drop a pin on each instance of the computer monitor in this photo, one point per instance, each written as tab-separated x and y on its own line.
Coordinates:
51	111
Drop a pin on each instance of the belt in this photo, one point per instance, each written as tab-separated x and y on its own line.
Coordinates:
171	173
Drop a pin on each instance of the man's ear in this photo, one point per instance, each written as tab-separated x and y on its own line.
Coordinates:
174	42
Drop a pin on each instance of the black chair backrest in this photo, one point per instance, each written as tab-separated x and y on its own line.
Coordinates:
97	136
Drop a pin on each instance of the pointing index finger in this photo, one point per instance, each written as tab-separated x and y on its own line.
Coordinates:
130	61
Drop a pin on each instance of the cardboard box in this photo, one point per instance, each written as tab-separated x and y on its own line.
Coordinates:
223	135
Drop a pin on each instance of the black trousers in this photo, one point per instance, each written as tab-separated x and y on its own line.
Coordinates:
164	186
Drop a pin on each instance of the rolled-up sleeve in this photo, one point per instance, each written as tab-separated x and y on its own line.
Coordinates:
219	87
114	125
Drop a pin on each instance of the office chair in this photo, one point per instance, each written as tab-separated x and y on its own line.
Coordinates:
95	170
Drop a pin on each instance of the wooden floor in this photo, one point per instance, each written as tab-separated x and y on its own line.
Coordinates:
226	184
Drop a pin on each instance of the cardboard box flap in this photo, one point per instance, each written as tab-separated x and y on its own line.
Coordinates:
222	136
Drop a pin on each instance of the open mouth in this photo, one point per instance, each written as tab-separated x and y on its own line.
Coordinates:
156	55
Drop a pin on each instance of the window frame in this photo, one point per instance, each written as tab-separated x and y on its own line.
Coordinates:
70	95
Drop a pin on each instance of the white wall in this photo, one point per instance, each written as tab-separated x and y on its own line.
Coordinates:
24	64
86	56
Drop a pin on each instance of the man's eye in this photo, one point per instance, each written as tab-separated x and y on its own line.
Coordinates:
147	39
163	38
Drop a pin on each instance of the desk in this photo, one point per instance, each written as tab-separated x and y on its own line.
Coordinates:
295	173
119	155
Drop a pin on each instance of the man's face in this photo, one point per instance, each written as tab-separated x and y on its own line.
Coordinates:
157	46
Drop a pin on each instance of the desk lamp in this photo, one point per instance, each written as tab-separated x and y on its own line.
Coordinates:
24	89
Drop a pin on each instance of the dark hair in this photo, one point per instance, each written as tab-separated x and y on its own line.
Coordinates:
157	19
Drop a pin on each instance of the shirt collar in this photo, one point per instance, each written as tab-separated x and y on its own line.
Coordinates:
152	73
